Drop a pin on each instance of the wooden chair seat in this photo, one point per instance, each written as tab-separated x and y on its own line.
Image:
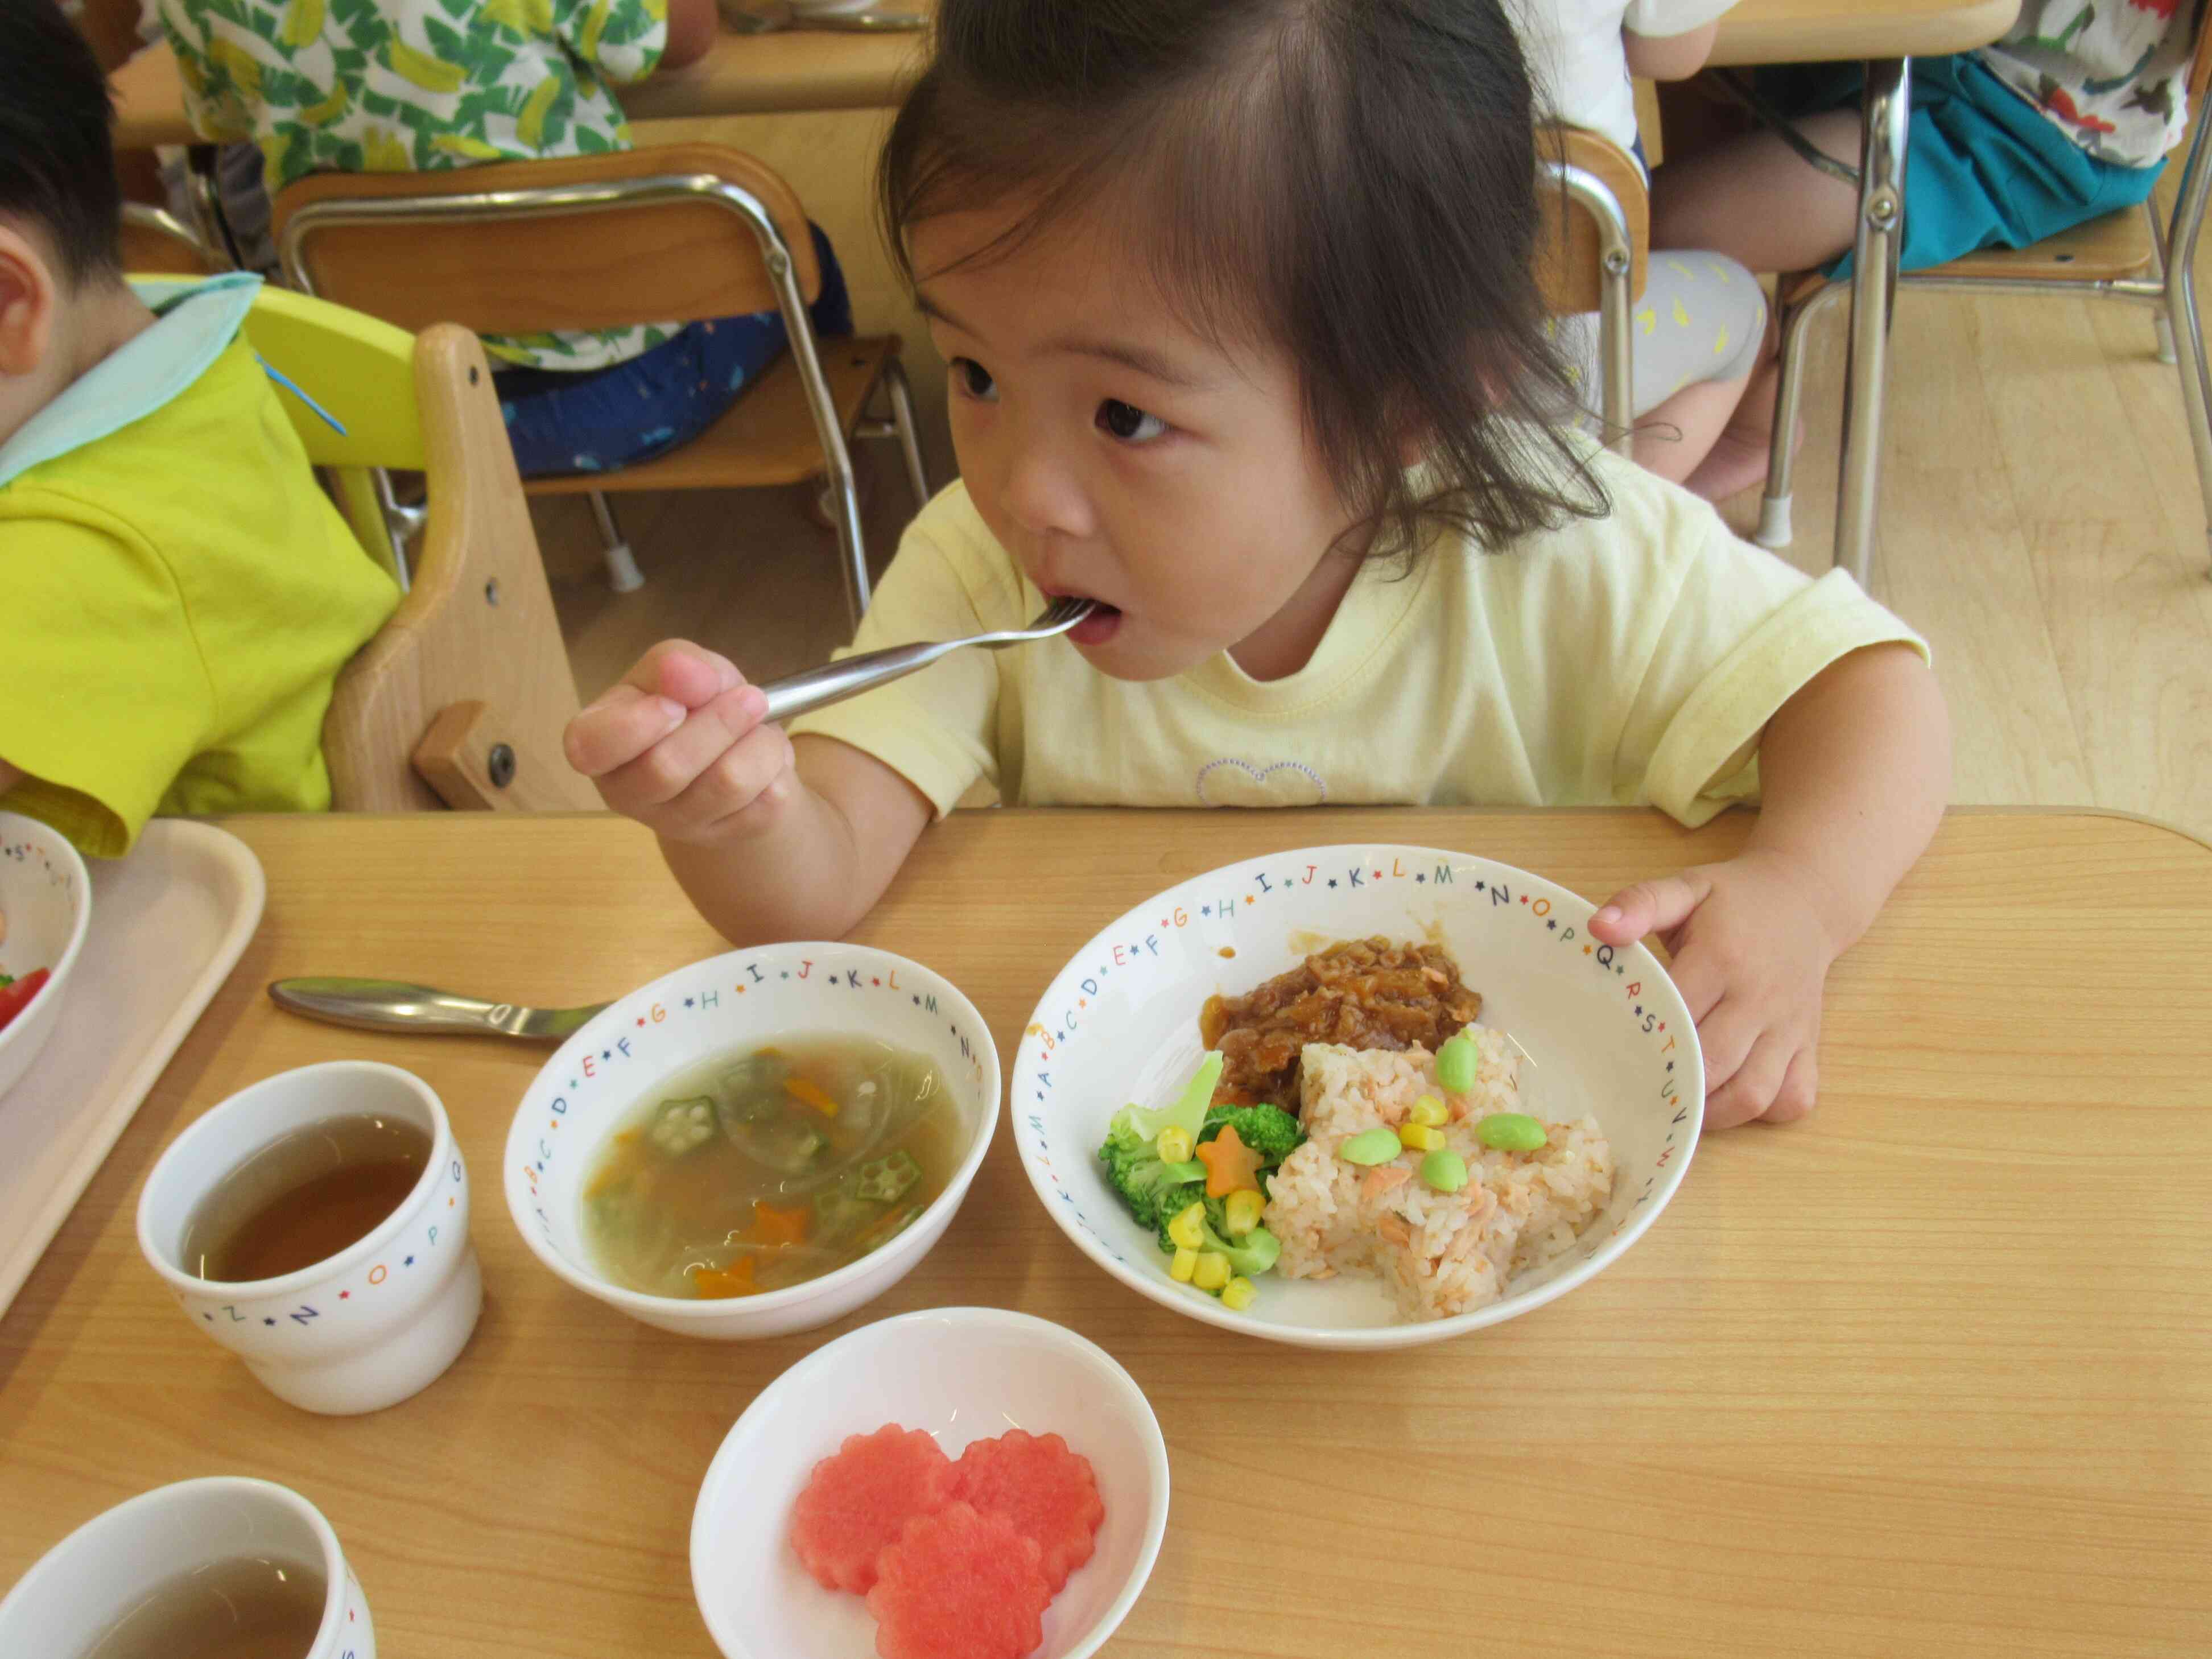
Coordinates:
2117	245
765	437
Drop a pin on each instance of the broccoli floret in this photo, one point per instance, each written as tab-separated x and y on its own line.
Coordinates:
1252	1255
1267	1130
1188	1111
1152	1188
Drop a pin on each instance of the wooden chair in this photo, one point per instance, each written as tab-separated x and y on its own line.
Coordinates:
2130	254
1592	251
460	700
678	232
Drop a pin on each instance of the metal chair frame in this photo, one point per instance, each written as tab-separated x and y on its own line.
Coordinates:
654	190
1616	261
2170	288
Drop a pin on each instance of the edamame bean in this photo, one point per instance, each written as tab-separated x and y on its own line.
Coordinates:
1445	1171
1372	1146
1511	1132
1457	1062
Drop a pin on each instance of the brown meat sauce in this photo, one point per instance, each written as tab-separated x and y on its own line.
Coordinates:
1364	993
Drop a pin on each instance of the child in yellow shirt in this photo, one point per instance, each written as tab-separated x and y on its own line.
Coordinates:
1246	346
177	595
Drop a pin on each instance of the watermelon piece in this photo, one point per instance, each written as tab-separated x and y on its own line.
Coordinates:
860	1498
1047	1490
959	1584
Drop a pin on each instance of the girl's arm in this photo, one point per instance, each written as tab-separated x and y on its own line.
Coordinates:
1670	57
771	841
1854	771
692	28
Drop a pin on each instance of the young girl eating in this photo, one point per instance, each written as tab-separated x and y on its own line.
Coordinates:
1246	347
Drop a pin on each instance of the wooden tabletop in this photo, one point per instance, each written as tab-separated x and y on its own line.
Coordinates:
817	69
1928	1373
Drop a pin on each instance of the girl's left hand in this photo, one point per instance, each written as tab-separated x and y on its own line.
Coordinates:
1751	954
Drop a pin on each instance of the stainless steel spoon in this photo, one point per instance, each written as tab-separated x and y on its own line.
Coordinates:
384	1004
850	676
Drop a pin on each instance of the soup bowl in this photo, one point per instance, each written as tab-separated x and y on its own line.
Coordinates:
779	993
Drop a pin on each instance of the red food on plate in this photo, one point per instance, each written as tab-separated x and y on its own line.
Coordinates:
860	1498
16	995
959	1584
1047	1490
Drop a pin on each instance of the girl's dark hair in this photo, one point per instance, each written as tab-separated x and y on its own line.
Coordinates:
56	160
1354	180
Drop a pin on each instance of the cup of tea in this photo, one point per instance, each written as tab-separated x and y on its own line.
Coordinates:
225	1568
317	1224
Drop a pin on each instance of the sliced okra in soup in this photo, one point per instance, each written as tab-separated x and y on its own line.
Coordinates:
886	1180
840	1212
682	1126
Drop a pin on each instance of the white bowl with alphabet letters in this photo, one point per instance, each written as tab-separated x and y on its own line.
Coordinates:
725	1005
1602	1030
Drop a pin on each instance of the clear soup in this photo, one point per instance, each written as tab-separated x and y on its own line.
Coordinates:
762	1168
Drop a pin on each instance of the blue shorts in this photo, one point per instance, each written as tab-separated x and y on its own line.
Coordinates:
603	418
1986	167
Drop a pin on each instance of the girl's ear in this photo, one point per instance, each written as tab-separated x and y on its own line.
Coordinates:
29	301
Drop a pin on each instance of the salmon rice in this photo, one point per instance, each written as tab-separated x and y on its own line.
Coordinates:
1440	1252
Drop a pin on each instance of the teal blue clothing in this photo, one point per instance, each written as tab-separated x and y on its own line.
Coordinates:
1986	168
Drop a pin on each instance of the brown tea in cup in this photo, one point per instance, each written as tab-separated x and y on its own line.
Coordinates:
304	1197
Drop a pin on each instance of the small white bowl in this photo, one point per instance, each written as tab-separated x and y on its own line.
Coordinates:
959	1374
47	896
743	999
1602	1028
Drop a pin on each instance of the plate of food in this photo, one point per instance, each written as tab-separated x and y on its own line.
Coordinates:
1358	1096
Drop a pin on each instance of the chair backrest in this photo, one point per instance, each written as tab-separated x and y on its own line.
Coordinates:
1594	200
462	697
156	243
2200	62
519	247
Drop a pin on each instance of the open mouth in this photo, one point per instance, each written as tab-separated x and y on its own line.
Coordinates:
1096	628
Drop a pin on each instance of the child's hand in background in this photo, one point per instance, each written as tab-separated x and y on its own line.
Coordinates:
677	744
1751	952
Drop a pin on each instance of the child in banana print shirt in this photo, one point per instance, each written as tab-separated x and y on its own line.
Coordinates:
401	86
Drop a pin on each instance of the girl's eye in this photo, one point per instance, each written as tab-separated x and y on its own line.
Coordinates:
975	379
1128	423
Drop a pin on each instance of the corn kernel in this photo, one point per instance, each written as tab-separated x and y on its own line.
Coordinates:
1244	1209
1188	1230
1419	1137
1173	1145
1212	1272
1237	1295
1430	1111
1184	1264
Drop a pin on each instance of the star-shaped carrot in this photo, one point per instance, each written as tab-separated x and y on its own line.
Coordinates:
1231	1165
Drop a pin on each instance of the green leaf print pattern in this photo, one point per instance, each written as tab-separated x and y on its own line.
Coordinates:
401	86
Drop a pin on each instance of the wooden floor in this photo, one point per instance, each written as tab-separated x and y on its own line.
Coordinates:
2040	523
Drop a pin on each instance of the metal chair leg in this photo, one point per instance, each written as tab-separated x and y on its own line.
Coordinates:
902	396
1774	528
622	574
2165	329
2181	314
402	524
1881	234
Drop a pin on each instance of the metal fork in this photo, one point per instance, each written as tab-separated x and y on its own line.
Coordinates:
850	676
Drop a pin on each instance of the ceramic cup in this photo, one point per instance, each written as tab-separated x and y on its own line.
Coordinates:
79	1590
369	1327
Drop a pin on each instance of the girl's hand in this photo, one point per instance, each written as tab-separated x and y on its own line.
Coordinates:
1751	952
678	745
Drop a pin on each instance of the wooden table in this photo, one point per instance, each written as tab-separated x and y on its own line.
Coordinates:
1930	1373
742	75
817	69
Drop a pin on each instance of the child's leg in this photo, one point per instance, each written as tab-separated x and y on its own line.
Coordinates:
1756	200
1700	333
1738	457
